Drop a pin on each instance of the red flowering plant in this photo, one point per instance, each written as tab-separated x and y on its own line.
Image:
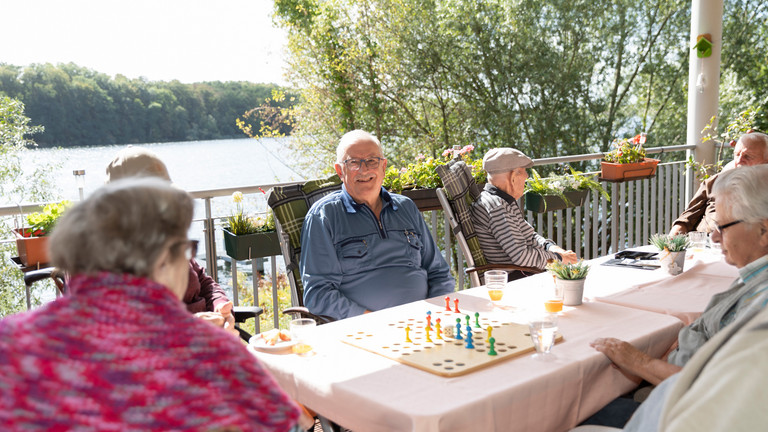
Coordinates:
627	150
423	174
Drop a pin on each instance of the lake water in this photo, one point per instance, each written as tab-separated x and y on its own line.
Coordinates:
193	165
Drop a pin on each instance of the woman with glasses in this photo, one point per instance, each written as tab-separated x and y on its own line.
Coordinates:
121	352
742	231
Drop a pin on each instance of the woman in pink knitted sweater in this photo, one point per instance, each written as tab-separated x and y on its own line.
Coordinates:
121	352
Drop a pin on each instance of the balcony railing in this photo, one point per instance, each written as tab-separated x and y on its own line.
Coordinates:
637	209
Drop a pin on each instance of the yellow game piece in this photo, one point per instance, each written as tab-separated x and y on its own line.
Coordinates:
488	336
407	337
438	333
427	330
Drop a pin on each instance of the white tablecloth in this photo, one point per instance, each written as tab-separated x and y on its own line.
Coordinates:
368	392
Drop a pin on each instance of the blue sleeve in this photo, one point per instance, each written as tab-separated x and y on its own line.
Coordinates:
321	271
438	274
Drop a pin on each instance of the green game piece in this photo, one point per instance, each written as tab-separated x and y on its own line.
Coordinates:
467	318
477	320
491	350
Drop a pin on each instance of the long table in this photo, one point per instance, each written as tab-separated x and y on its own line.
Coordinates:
364	391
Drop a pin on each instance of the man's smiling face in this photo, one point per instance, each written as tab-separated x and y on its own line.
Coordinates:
364	184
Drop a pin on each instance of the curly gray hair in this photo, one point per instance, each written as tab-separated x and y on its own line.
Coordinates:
123	227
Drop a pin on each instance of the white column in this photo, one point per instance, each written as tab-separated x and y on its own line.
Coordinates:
706	17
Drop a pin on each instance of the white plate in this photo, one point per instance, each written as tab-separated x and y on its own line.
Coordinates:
260	344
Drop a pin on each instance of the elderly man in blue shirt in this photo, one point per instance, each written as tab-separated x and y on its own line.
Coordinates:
365	249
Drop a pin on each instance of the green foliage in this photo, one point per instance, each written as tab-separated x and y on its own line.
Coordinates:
42	222
559	184
676	243
241	224
15	187
79	106
738	126
575	271
626	150
423	173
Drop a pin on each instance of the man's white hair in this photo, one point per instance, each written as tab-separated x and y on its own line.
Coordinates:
758	138
354	137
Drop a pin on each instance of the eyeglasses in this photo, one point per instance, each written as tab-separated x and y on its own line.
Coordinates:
190	248
721	228
356	164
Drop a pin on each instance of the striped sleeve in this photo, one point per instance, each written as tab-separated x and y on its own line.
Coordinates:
505	236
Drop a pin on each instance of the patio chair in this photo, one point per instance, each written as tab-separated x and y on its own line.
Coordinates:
290	205
241	313
456	196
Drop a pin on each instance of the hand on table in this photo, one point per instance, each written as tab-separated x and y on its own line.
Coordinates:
677	229
568	256
634	362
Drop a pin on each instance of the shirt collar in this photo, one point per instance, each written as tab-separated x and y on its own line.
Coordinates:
751	269
351	206
493	190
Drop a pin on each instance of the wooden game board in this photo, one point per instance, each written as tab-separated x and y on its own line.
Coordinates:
447	357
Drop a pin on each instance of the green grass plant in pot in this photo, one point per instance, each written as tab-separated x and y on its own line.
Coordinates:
569	280
671	251
558	192
247	237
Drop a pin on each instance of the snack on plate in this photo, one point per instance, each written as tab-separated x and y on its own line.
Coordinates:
271	337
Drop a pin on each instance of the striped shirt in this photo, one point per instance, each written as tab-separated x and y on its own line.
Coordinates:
504	234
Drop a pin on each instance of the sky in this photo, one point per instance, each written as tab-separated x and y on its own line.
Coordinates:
161	40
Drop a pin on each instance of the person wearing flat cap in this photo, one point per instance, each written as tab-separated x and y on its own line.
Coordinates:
504	235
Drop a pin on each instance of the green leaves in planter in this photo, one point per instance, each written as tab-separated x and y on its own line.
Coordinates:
676	243
559	184
575	271
42	222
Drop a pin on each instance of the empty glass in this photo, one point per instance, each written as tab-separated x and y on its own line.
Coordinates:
301	335
543	328
698	241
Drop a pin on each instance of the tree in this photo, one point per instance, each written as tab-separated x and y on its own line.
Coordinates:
15	187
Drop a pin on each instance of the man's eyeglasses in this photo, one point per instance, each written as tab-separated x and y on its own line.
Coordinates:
721	228
190	248
356	164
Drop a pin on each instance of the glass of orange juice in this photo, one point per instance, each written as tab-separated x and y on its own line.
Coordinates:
301	335
554	302
495	281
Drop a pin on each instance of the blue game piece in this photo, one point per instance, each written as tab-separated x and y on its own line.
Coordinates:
470	345
458	329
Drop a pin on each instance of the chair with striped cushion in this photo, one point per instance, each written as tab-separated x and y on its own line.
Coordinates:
290	205
456	196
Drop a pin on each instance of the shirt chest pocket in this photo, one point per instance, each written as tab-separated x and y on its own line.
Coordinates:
353	255
415	245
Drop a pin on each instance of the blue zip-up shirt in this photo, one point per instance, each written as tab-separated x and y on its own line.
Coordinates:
351	262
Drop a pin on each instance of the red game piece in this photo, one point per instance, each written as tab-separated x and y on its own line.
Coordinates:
456	304
447	303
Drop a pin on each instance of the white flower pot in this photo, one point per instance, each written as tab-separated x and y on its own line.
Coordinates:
573	290
672	262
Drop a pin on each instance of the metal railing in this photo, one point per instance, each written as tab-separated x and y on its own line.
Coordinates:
637	210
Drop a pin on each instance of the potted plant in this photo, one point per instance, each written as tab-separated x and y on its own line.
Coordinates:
560	191
32	241
672	256
569	280
248	237
627	160
419	179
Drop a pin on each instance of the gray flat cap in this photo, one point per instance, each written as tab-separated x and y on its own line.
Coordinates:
501	160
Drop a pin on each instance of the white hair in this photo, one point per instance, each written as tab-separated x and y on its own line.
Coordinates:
354	137
743	190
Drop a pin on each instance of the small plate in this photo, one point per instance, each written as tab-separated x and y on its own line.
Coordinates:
260	344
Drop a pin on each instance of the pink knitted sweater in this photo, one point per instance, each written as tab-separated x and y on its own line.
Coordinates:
121	353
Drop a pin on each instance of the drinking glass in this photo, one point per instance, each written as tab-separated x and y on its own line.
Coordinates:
554	301
698	241
301	335
543	328
495	281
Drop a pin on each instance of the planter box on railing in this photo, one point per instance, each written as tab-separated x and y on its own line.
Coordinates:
620	172
32	250
544	203
425	199
249	246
